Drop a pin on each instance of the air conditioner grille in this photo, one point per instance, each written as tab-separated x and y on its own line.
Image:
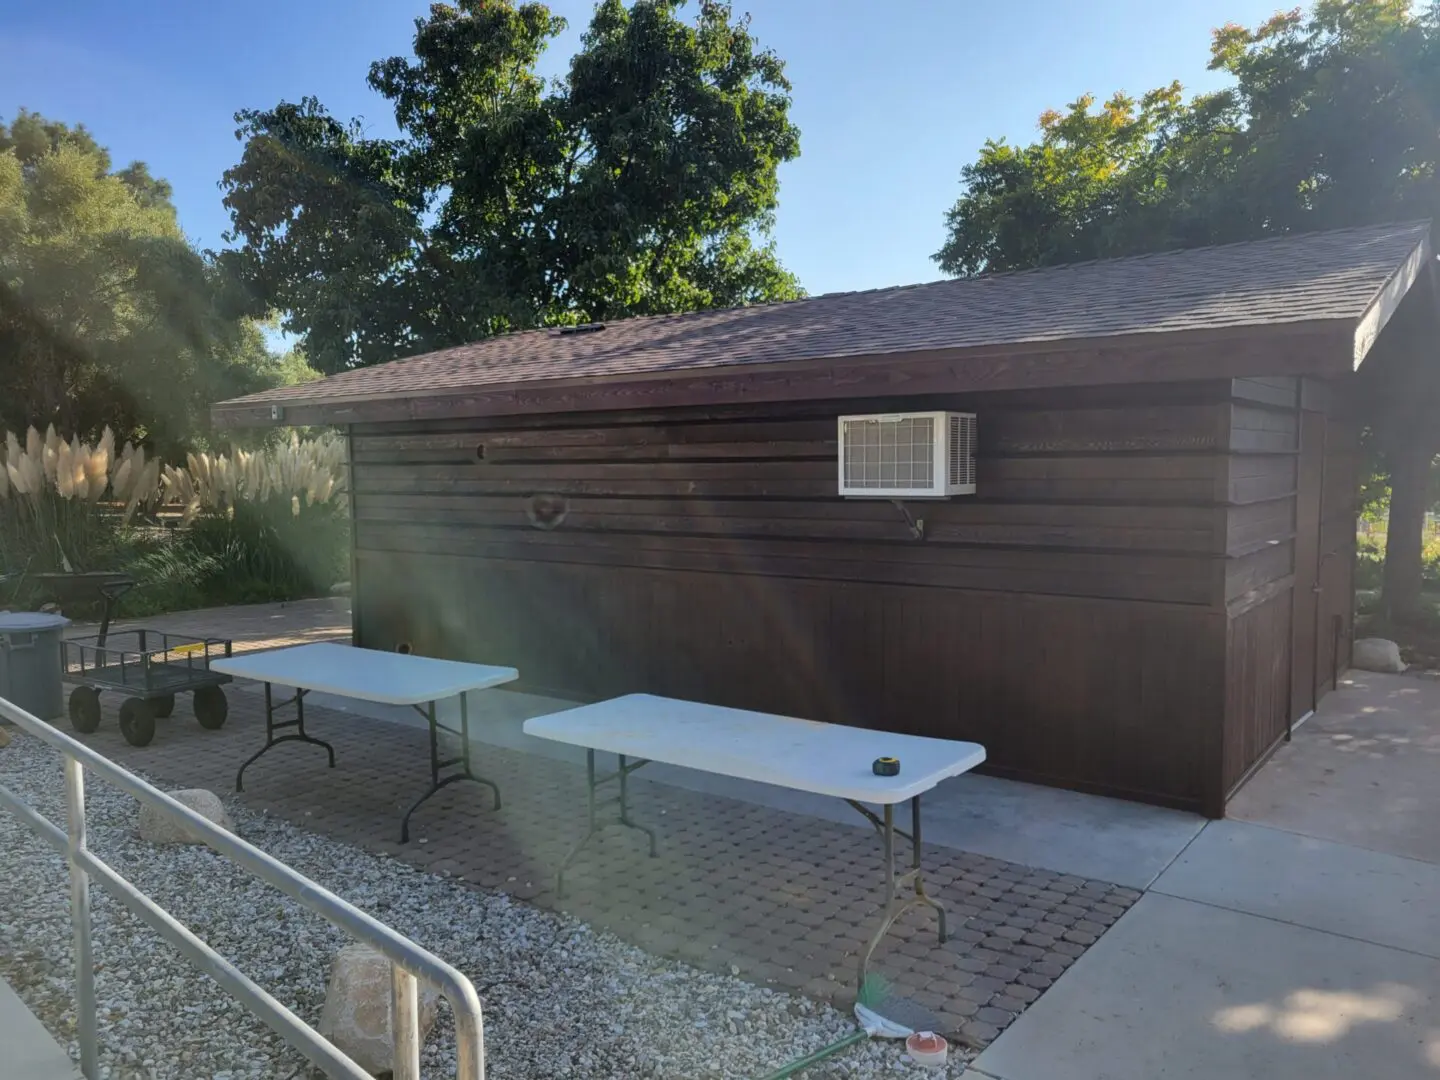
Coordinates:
889	453
962	449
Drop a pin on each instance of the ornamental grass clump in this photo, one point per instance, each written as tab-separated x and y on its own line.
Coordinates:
63	502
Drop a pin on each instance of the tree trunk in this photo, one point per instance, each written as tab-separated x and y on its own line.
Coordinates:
1405	533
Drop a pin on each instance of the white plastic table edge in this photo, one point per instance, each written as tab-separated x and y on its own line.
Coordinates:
872	789
251	666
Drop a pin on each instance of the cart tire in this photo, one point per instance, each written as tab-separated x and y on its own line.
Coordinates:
85	709
162	706
211	708
137	722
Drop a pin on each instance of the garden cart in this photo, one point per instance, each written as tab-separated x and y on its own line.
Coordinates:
151	668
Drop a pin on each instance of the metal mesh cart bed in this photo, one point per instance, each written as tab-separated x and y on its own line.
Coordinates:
150	667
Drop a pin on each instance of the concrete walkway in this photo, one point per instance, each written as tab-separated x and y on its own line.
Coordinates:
1302	943
26	1048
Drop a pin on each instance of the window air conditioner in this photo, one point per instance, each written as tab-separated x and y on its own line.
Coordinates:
922	455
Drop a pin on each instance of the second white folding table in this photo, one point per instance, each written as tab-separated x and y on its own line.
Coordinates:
803	755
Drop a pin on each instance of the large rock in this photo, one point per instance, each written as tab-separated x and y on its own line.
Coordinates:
1377	654
160	828
356	1016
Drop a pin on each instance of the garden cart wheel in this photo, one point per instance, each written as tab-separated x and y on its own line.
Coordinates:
137	721
85	709
163	706
211	708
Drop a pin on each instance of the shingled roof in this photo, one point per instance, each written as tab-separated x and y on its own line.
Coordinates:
1339	279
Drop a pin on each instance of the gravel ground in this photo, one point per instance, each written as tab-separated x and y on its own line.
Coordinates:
560	1000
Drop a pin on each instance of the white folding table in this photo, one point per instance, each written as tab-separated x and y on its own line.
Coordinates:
804	755
386	678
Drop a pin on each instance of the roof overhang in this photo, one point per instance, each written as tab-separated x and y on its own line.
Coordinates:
1317	347
1387	300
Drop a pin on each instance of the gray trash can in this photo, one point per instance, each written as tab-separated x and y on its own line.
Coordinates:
30	675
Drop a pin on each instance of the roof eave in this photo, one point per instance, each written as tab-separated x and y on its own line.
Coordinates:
1317	347
1387	299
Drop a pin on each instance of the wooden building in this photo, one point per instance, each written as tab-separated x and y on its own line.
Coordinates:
1151	582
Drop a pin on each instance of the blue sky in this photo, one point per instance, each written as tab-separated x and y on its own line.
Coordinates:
891	98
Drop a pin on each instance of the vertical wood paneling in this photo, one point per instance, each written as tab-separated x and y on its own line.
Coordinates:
1094	694
1257	685
1305	616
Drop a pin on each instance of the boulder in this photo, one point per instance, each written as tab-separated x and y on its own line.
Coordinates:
1377	654
357	1015
160	828
4	738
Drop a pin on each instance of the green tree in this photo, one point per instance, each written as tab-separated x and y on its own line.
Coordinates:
1331	122
644	181
107	315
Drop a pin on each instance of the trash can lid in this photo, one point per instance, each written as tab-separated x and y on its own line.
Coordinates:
29	622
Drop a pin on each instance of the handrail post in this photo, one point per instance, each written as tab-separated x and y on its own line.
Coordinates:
405	1023
80	917
409	962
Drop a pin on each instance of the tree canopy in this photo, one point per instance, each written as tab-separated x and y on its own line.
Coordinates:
1331	121
643	181
107	315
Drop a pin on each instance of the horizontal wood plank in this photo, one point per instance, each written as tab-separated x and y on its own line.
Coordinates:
1258	478
1177	579
1256	524
1280	391
1171	529
1246	573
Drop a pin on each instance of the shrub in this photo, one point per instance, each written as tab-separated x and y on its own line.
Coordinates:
256	525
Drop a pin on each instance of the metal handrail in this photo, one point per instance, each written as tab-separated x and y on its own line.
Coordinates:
408	961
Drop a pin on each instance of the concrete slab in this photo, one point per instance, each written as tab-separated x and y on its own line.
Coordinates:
1327	886
1365	770
1064	831
27	1047
1183	991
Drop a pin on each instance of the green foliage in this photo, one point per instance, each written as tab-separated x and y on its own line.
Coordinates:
1369	563
107	315
264	551
636	184
1331	123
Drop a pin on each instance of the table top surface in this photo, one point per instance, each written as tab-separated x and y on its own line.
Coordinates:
804	755
388	678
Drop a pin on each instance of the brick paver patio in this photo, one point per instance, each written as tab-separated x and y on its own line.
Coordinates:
781	899
249	626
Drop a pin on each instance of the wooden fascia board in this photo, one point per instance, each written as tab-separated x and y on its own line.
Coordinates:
1387	300
1315	348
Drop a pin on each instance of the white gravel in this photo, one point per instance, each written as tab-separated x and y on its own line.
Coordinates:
560	1000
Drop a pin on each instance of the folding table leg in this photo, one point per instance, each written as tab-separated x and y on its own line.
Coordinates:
896	903
592	783
437	765
272	726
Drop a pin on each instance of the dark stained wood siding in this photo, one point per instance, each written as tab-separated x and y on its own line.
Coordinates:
1097	694
1305	614
1266	540
1108	612
1068	617
1257	684
1337	550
